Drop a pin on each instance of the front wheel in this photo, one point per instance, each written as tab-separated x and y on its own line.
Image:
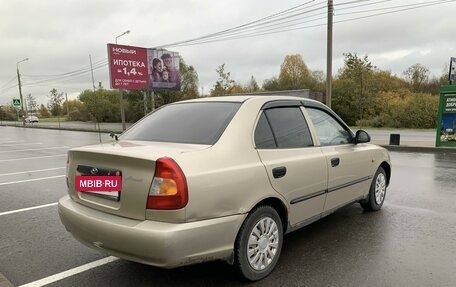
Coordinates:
377	192
258	244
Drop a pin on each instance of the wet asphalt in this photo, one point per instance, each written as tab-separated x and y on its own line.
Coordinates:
410	242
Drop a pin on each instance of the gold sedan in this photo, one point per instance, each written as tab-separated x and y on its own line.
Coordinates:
220	178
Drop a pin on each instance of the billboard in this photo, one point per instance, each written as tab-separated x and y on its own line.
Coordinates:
136	68
164	71
452	68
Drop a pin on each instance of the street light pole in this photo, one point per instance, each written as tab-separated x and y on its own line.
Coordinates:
126	32
20	88
122	109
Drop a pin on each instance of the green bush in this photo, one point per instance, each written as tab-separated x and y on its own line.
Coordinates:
403	109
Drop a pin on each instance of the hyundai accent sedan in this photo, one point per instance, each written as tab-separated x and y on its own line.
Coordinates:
220	178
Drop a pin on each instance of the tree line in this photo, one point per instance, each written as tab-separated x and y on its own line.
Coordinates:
363	94
103	105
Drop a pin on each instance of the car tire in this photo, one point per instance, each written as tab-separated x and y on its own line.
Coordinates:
377	192
258	243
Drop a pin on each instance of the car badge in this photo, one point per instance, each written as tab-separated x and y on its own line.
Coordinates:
94	170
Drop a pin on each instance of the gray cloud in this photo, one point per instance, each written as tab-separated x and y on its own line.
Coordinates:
58	37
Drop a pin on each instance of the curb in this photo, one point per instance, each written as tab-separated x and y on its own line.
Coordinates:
420	149
73	129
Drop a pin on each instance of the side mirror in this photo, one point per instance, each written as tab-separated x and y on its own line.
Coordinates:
113	135
362	137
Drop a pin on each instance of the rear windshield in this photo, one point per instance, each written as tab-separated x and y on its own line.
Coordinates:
193	123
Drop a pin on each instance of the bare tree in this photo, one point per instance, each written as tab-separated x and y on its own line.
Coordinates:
417	76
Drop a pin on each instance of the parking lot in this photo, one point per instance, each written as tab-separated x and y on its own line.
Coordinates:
410	242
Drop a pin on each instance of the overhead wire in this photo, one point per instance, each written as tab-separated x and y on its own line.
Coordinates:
351	2
267	22
56	78
413	6
257	31
276	30
85	68
287	20
67	76
402	9
249	24
362	5
7	83
278	19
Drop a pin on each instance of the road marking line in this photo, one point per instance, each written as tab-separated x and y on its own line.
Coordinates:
34	149
36	157
11	142
19	144
28	208
4	282
71	272
30	171
29	180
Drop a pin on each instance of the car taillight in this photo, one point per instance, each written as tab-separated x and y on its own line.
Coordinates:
169	187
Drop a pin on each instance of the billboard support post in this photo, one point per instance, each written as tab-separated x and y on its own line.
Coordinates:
122	110
145	101
152	94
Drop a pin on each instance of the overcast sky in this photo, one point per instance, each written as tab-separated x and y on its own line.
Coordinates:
58	36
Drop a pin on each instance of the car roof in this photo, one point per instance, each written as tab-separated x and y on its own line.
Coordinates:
244	98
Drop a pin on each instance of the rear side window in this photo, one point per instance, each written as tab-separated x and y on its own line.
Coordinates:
193	123
263	134
283	127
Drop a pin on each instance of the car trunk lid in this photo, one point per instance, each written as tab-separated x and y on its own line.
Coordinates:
133	161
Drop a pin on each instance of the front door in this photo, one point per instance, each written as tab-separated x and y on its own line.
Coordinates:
349	166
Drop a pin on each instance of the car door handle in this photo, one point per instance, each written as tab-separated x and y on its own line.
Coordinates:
335	161
279	172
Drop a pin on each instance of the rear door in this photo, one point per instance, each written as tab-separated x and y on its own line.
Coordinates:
296	168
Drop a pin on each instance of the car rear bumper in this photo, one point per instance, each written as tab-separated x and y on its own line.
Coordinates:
155	243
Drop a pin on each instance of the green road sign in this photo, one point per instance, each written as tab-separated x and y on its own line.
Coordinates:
446	125
16	102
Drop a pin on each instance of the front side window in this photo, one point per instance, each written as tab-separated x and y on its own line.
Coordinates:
329	130
283	127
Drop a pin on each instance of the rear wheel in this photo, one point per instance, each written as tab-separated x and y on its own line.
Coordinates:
259	243
377	192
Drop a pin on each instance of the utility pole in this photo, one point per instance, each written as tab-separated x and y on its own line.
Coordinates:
67	104
20	89
91	70
20	92
329	54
